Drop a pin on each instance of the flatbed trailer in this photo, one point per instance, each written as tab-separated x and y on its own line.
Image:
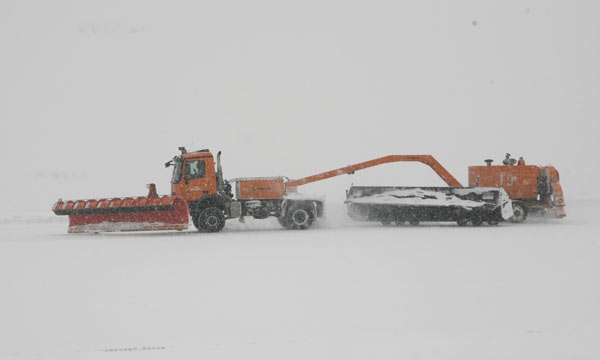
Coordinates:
402	204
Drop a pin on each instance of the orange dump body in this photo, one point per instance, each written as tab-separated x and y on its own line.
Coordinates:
260	188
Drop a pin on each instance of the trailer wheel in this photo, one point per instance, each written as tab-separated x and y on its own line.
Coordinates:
298	217
462	220
413	220
210	219
476	219
388	219
519	212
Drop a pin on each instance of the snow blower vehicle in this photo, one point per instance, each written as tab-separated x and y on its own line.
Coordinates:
530	188
533	189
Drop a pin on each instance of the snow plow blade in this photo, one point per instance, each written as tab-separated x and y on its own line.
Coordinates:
143	213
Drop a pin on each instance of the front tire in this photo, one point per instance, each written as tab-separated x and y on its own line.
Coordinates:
210	219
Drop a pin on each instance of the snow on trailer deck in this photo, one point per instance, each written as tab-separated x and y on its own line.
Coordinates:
435	198
417	196
343	290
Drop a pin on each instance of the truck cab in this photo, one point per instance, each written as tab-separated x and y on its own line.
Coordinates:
194	175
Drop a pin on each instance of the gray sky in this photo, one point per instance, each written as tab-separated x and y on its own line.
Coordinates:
96	95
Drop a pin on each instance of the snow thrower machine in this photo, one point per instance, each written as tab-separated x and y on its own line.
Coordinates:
199	192
533	189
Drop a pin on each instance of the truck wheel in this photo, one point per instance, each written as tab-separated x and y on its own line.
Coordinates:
519	212
210	219
298	217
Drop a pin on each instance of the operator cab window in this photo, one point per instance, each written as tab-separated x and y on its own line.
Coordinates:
195	169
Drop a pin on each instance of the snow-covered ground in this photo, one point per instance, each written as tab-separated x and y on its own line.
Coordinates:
340	291
96	95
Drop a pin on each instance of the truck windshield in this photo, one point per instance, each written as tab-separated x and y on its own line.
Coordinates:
176	178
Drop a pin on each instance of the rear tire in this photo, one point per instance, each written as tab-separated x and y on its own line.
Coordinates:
210	219
298	217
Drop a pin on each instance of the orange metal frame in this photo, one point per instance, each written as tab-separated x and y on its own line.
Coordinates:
350	169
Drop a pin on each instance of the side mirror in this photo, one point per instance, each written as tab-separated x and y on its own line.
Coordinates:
168	163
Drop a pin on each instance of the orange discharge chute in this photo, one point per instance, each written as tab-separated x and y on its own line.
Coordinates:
350	169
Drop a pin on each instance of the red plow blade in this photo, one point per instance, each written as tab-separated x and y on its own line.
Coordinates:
141	213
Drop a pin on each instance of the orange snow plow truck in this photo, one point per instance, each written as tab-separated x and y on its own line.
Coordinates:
199	191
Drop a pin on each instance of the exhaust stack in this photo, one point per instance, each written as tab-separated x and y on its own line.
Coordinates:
219	174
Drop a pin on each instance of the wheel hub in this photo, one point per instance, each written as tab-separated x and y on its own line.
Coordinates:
300	217
212	220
